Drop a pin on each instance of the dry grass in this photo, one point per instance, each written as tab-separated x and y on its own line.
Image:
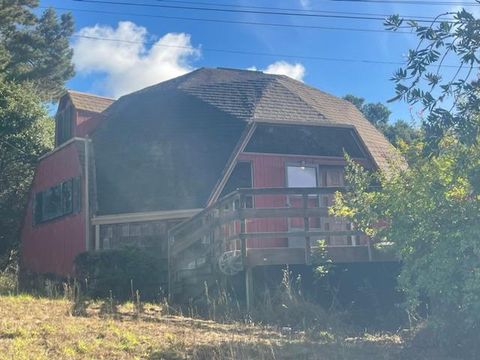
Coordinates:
36	328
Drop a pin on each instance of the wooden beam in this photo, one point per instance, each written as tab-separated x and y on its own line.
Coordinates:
242	143
97	237
292	234
275	256
306	225
249	296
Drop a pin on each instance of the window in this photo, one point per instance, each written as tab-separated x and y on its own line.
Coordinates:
305	140
301	176
241	177
64	125
57	201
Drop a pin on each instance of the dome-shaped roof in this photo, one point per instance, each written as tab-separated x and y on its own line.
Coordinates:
199	117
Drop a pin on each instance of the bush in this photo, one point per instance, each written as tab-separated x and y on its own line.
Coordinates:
121	272
8	283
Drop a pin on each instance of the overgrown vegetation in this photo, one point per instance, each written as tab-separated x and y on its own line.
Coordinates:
47	330
430	213
35	62
121	273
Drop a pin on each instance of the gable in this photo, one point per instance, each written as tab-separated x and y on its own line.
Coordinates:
167	156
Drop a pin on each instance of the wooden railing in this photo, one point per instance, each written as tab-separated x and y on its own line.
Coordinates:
242	222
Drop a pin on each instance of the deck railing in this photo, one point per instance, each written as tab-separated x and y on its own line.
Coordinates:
259	226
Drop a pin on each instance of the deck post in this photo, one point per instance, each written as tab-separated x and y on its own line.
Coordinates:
97	237
243	229
249	287
170	240
369	248
306	224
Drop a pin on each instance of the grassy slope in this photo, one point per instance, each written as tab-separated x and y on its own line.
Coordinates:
33	328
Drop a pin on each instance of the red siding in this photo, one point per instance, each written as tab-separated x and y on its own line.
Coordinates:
86	122
269	171
51	247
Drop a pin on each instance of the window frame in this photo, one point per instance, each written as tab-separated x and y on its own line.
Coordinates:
66	206
300	165
64	125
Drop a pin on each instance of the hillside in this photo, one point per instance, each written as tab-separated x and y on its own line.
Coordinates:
37	328
34	328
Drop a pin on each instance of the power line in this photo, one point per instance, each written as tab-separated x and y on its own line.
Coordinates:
293	9
412	2
239	22
246	52
244	11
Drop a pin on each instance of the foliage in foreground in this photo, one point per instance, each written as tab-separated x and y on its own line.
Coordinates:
34	49
430	213
449	94
120	273
26	132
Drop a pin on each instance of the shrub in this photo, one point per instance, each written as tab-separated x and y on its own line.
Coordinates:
8	283
121	272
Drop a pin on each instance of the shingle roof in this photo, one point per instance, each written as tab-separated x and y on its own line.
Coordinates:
89	102
255	96
166	146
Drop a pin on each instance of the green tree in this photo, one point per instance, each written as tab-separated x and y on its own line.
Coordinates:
35	49
429	212
26	132
35	62
378	114
440	75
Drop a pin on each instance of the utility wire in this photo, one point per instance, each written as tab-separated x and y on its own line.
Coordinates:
254	23
216	9
293	9
412	2
246	52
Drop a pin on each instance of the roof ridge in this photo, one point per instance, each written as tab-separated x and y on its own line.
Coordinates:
276	80
69	91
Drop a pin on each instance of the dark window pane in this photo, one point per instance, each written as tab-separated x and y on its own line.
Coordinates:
77	199
305	140
64	125
67	197
57	201
241	177
37	208
52	203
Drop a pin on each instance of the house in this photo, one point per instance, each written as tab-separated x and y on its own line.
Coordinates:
160	168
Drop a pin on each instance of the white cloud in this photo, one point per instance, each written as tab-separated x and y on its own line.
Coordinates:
295	71
127	63
305	4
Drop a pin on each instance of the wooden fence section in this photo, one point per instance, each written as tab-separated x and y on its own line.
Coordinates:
262	226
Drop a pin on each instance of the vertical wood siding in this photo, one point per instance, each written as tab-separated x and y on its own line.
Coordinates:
269	171
51	247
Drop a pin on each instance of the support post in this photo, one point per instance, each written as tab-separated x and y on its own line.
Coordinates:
243	228
306	224
249	287
369	248
97	237
170	240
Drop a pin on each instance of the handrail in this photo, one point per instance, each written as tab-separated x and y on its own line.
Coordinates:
258	192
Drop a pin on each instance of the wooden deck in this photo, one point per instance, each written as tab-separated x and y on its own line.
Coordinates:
239	226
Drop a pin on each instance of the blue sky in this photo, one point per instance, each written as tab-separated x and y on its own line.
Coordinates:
149	49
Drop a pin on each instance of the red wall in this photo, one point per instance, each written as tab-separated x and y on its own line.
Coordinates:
269	171
51	247
86	122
